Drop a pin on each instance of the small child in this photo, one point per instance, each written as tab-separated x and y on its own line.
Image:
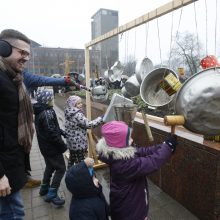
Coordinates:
88	201
128	169
51	146
76	125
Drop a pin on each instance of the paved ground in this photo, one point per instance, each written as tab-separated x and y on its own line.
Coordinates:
162	206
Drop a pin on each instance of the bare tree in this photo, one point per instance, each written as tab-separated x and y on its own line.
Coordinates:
186	53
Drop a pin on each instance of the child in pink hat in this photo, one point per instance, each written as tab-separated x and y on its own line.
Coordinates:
129	167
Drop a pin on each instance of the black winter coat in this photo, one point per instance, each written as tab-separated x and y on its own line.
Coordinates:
48	131
88	201
11	153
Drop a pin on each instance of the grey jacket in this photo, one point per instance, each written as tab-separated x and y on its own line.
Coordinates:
76	125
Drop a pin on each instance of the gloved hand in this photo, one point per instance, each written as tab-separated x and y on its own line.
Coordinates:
172	141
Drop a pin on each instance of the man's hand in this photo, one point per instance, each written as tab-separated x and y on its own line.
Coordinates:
89	162
5	188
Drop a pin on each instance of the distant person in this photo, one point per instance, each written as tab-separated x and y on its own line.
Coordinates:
88	201
51	146
129	167
76	125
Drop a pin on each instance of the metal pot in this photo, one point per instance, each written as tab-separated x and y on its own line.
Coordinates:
125	93
142	68
109	75
132	86
117	69
99	93
198	101
150	90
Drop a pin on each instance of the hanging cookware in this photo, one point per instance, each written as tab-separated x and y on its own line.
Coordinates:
124	92
209	62
125	112
99	91
142	68
132	86
150	90
108	75
117	69
110	112
198	101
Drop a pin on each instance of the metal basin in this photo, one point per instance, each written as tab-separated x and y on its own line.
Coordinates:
198	101
132	86
151	92
142	68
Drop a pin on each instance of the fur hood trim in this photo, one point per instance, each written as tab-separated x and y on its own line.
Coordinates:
116	153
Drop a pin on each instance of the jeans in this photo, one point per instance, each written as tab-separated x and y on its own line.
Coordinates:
11	207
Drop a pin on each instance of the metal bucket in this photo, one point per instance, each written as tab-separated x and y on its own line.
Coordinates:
142	68
125	112
150	90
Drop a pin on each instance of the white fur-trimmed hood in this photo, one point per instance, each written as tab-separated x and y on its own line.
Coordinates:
116	153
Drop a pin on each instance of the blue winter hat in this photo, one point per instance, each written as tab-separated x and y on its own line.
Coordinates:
44	96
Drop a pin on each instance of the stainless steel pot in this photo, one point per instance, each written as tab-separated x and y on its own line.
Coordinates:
109	75
117	69
99	93
132	86
151	92
124	92
198	101
142	68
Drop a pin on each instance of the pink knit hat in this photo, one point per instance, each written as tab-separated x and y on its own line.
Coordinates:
116	134
72	100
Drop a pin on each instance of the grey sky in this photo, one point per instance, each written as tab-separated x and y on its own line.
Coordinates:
67	23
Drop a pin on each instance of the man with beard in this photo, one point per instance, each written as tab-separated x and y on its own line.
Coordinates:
16	120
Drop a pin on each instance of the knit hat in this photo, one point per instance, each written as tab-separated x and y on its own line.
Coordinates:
72	100
116	134
44	96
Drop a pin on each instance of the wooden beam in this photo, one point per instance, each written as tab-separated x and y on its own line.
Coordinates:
87	68
165	9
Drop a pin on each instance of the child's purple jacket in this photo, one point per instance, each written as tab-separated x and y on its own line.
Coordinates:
128	170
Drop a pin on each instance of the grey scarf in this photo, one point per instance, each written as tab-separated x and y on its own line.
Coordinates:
25	114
